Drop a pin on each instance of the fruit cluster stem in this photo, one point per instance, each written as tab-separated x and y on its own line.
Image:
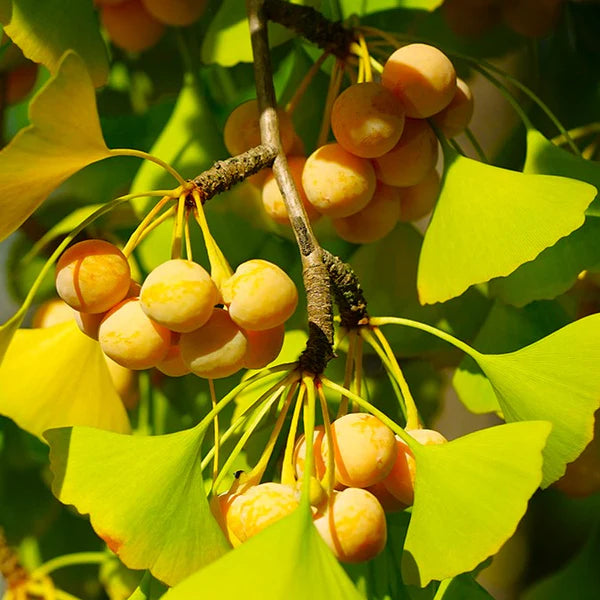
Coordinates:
319	348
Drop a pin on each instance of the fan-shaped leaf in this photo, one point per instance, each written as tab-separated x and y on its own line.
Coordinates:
57	377
145	496
488	221
45	30
469	496
64	136
287	560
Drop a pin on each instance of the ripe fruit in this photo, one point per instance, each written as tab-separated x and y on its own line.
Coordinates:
401	480
367	119
364	449
19	82
531	18
259	295
242	129
336	182
471	18
375	220
175	12
172	364
52	312
353	525
412	158
179	294
299	455
92	276
130	26
419	200
217	349
273	200
422	77
263	346
455	118
131	338
259	506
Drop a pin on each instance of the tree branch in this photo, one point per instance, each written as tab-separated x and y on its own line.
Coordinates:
319	348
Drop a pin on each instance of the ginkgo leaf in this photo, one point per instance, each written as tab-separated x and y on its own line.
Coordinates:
555	379
64	136
287	560
145	496
488	221
470	495
44	31
55	377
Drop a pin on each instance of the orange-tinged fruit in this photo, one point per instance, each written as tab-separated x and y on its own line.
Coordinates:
367	119
125	382
471	18
455	118
131	338
259	295
375	220
336	182
531	18
353	525
173	364
179	294
263	346
299	456
401	480
242	129
364	449
388	501
52	312
418	200
130	26
217	349
273	200
422	77
92	276
175	12
412	158
219	506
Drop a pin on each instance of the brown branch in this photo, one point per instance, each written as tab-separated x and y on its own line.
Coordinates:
331	36
319	347
224	174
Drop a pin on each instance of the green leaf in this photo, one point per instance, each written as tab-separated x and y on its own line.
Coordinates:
56	377
64	136
45	30
145	496
488	221
469	496
579	579
506	329
368	7
463	587
304	567
555	379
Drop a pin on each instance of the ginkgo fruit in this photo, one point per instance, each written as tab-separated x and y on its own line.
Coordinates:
353	525
92	276
417	201
299	456
259	295
175	12
52	312
263	346
455	118
173	364
422	77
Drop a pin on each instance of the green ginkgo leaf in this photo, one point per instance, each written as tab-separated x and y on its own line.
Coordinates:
470	495
488	221
287	560
64	136
145	496
555	270
46	30
56	377
555	379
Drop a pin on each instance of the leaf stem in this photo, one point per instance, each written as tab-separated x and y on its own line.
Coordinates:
146	156
288	475
306	81
136	236
67	560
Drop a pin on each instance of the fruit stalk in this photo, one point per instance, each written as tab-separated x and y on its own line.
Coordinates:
319	347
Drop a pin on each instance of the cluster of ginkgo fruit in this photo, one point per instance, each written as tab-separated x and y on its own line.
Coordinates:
373	472
530	18
382	166
178	321
136	25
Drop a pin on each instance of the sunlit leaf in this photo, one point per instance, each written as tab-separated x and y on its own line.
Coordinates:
469	496
579	579
64	136
146	498
286	560
57	377
488	221
45	30
555	379
368	7
506	329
